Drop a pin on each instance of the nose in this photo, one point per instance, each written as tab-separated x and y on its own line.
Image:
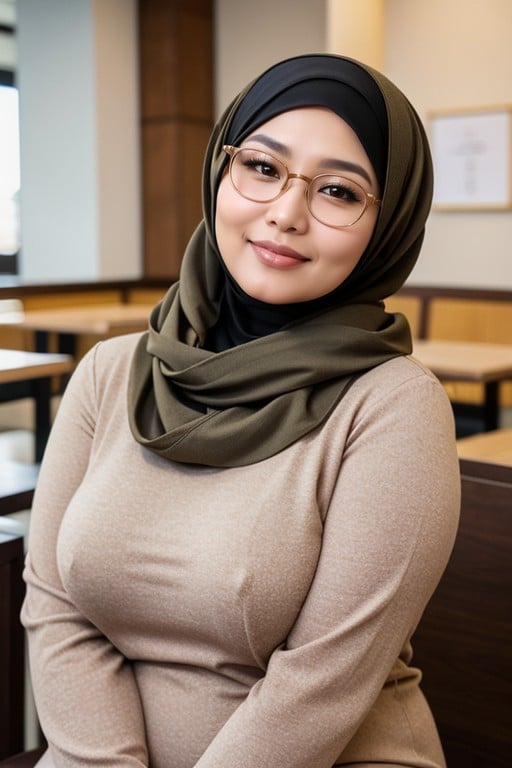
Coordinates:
289	212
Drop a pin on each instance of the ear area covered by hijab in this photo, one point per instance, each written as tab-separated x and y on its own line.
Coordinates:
254	398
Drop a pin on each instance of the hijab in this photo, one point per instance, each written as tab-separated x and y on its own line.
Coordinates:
223	380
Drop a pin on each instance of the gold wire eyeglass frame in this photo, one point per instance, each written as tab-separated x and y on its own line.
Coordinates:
232	151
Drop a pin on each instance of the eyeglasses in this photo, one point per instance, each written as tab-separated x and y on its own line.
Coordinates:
333	200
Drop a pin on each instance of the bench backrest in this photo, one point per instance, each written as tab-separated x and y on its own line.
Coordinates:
464	641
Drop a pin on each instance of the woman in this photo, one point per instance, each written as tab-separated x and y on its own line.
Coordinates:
242	513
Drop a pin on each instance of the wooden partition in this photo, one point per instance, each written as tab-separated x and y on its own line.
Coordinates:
464	641
459	314
477	319
411	307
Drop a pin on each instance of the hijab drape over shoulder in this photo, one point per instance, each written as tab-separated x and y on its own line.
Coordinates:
223	380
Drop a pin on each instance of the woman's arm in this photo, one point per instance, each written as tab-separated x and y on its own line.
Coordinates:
84	688
387	537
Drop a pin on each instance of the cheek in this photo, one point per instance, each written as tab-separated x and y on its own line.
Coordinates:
345	247
231	208
363	234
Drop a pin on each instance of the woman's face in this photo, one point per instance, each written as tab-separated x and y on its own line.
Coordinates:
277	251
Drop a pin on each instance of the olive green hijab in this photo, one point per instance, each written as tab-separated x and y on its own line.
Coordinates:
251	400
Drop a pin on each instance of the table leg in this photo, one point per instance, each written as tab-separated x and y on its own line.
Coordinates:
491	405
42	400
41	341
67	343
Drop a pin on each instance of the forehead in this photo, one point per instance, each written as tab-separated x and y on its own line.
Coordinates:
314	135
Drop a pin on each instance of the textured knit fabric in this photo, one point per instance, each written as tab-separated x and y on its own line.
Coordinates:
190	404
249	617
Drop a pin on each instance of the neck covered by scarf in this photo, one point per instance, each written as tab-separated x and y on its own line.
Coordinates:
223	380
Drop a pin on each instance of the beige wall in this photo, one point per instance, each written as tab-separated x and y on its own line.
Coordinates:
442	53
450	54
250	36
355	28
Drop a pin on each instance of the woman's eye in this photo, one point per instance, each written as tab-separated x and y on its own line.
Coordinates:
341	192
262	166
267	170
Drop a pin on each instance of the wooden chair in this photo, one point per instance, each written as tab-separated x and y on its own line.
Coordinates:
463	643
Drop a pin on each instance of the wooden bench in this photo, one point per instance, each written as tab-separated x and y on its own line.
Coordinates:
463	643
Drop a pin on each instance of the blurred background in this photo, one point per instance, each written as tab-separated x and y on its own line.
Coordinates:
106	106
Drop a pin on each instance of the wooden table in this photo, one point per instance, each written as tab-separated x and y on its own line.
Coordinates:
102	320
488	364
494	447
18	481
29	374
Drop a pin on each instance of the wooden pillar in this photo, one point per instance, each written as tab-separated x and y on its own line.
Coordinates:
176	95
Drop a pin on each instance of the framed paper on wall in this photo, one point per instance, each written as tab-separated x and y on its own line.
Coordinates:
471	150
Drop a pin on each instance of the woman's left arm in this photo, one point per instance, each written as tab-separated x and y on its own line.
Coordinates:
387	537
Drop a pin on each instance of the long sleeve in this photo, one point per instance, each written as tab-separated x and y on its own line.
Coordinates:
184	616
84	688
388	534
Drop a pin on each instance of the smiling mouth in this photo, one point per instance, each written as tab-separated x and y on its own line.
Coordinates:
277	256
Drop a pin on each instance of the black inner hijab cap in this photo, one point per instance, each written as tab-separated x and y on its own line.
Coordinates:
358	101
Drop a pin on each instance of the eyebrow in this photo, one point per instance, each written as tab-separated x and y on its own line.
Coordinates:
330	162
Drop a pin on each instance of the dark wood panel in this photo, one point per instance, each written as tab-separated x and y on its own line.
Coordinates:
176	56
176	97
463	644
11	646
173	158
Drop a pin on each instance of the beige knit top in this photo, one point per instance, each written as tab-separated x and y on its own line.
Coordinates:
255	617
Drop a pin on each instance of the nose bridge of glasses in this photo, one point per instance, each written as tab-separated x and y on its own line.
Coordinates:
299	176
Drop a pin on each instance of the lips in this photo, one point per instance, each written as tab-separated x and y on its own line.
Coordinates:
276	255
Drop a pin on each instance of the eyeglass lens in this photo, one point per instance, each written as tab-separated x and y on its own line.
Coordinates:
332	200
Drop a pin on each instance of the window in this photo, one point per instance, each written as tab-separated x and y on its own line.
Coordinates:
9	174
9	142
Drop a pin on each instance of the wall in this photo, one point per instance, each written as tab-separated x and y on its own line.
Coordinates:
448	54
355	28
77	75
442	53
7	42
250	36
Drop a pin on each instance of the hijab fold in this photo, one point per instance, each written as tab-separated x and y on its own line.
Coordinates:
201	394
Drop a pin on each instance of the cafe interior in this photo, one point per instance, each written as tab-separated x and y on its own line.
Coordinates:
104	104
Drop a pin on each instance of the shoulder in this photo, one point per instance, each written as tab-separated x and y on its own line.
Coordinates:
398	408
404	378
111	355
105	367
